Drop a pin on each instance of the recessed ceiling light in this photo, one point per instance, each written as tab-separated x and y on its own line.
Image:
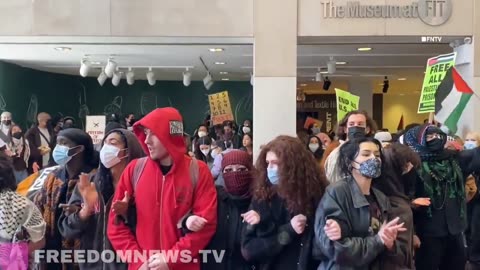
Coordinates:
219	63
95	63
364	49
341	63
223	73
63	49
323	72
225	79
303	84
216	49
402	79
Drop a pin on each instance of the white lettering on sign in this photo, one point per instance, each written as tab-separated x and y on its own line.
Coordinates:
176	128
432	39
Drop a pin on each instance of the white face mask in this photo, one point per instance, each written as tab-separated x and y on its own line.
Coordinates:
214	154
313	147
202	134
205	152
109	156
246	130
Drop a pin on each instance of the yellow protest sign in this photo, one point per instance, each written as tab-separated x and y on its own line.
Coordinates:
437	68
346	102
220	107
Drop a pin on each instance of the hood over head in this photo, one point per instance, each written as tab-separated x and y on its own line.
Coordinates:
167	125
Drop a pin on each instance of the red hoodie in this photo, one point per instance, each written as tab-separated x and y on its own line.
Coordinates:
162	200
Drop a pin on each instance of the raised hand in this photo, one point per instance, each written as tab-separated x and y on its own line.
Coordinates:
89	194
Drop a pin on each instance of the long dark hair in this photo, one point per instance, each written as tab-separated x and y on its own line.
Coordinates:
302	183
350	150
198	153
7	177
104	177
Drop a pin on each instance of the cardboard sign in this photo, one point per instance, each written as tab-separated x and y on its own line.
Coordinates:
96	127
220	107
437	68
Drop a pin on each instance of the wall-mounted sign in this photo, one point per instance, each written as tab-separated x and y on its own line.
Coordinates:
431	12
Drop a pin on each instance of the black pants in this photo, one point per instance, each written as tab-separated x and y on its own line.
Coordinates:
441	253
473	232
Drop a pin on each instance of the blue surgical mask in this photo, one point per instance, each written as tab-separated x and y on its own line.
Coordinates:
272	174
470	145
60	154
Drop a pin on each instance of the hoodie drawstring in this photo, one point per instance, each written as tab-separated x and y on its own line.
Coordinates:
157	195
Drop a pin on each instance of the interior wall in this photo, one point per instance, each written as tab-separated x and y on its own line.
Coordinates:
25	92
394	106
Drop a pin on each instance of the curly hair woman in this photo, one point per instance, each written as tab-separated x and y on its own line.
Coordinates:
287	189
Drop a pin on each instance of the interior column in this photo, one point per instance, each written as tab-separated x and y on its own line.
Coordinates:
275	70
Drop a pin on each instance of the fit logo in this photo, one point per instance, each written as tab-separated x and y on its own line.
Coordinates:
435	12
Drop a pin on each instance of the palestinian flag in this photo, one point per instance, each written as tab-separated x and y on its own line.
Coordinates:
451	99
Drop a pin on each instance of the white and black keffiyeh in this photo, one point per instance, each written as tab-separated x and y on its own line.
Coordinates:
17	212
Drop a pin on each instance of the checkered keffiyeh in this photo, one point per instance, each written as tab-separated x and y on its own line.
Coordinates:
19	212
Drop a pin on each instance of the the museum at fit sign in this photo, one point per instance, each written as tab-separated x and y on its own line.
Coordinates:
431	12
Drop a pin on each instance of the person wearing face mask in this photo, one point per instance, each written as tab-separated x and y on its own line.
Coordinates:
203	149
75	154
202	131
42	142
286	191
397	183
316	148
354	226
246	128
442	176
19	150
355	124
314	129
5	126
230	140
233	200
86	223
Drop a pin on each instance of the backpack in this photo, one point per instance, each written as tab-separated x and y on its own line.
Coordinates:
194	172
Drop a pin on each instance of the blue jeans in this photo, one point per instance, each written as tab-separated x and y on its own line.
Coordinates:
20	175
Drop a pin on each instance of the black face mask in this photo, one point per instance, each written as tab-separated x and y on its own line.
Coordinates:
356	132
435	145
17	135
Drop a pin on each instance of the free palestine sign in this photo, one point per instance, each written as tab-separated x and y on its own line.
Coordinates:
431	12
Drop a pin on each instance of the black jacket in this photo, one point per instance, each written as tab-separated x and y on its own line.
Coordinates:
92	232
228	234
359	248
448	220
273	244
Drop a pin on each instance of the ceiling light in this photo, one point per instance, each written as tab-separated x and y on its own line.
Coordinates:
324	72
102	77
332	67
110	68
216	49
402	79
63	49
117	76
84	68
225	79
96	63
151	77
219	63
386	85
223	73
208	81
364	49
187	78
318	76
326	84
303	84
130	77
341	63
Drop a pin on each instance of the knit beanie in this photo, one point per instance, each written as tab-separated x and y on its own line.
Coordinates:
237	183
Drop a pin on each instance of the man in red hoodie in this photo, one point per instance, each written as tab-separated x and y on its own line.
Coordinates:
164	194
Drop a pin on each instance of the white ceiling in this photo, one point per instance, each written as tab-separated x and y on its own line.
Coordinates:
393	60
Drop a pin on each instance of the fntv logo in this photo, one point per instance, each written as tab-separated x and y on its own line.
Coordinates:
431	12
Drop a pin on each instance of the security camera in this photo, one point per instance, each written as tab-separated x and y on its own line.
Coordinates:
467	40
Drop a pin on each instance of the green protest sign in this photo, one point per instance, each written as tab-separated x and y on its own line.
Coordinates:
437	68
346	102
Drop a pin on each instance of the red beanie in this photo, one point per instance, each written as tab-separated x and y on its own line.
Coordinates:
238	183
237	157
